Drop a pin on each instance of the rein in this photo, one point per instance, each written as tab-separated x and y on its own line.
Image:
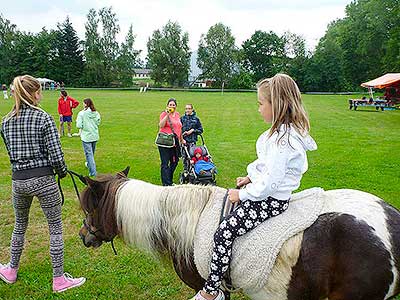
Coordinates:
83	180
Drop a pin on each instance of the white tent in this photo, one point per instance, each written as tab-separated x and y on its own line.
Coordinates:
44	81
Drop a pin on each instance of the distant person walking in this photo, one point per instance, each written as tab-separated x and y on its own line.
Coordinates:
34	148
5	91
88	122
65	106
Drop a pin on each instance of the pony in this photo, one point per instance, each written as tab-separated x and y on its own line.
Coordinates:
343	255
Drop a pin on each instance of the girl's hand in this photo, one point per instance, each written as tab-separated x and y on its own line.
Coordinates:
242	181
233	195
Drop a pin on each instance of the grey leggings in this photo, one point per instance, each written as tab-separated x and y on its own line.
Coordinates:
46	190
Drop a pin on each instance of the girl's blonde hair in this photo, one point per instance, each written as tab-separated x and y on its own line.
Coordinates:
25	88
285	98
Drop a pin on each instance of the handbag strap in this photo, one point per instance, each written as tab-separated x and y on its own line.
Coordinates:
170	124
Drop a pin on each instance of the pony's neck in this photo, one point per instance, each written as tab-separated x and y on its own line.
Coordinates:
161	219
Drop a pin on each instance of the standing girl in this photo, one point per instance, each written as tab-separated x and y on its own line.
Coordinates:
191	125
170	122
32	142
88	121
271	178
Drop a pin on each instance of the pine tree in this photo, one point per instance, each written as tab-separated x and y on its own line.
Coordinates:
127	59
70	55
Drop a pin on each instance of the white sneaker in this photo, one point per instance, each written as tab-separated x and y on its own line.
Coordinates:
86	164
69	135
199	296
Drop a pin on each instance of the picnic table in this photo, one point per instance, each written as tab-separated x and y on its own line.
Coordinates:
377	103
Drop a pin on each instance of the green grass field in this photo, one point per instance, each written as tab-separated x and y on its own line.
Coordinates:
357	149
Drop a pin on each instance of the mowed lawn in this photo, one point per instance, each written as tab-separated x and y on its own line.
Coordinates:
357	149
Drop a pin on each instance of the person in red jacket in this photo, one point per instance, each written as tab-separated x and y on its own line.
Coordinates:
65	106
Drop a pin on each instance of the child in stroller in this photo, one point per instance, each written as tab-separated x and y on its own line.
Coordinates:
198	167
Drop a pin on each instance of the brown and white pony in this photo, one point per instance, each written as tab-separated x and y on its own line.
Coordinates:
344	255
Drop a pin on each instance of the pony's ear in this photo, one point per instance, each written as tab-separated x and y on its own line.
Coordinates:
95	186
124	173
90	182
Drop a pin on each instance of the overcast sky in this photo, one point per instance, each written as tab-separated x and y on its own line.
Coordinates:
308	18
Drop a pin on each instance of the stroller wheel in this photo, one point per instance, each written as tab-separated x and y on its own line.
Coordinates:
183	179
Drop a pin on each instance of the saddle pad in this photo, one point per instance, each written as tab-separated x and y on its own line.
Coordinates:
254	254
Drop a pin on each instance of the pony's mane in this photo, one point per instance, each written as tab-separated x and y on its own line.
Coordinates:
106	186
160	219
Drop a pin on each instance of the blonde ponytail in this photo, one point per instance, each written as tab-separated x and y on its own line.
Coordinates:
25	88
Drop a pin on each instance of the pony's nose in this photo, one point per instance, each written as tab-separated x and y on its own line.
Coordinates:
83	238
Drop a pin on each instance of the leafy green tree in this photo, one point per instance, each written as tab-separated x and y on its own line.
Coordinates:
242	80
264	54
368	40
44	54
328	67
297	58
168	55
109	44
8	36
23	54
217	53
95	71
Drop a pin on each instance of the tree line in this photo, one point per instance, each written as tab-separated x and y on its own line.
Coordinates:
361	46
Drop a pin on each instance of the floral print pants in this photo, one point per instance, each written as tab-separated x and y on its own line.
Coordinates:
248	215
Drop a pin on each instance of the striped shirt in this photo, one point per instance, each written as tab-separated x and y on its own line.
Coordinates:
32	141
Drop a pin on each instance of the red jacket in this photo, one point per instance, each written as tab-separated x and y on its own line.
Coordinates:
65	106
195	159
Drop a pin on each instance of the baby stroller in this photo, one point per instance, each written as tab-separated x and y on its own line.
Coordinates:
189	174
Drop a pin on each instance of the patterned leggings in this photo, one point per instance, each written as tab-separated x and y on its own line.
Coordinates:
46	190
248	215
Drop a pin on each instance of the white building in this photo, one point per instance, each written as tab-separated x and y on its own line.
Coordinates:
142	73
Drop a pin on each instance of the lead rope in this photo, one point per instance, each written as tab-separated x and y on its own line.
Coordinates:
72	174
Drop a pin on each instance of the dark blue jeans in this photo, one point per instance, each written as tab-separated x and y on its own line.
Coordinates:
169	160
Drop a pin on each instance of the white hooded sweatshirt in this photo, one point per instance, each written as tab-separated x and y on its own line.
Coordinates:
281	162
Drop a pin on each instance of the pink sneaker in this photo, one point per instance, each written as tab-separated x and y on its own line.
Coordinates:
8	274
66	282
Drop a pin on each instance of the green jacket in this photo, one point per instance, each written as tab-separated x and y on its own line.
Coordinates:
88	121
